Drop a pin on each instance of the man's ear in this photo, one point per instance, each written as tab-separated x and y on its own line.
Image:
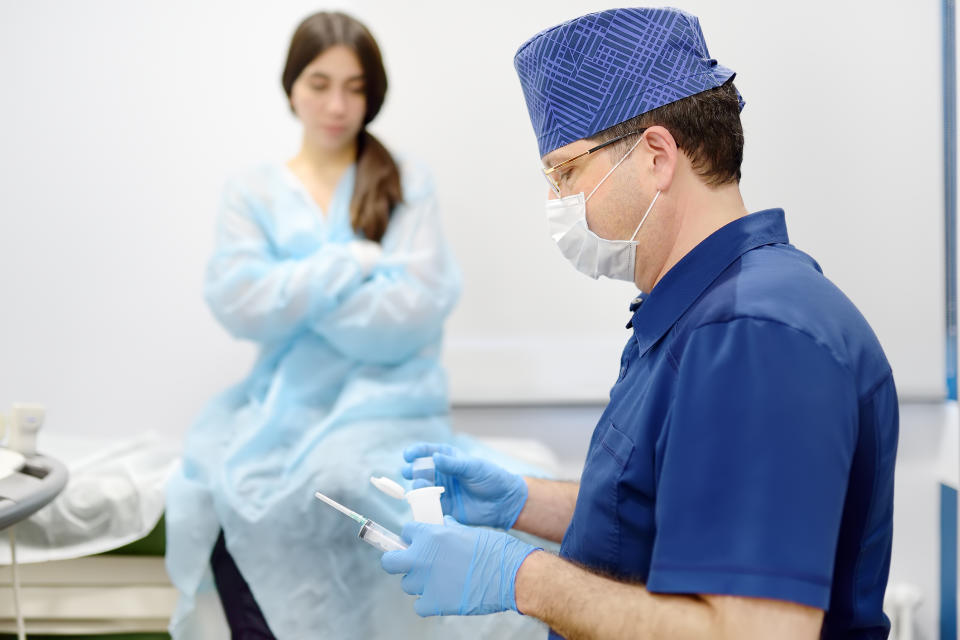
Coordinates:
664	154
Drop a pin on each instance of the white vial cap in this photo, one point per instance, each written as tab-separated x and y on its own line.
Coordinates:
424	469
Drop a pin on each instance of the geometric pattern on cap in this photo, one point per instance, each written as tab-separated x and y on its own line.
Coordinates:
600	69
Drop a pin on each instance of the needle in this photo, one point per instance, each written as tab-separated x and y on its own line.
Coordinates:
342	509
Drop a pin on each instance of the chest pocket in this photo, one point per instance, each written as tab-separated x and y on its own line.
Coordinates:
594	534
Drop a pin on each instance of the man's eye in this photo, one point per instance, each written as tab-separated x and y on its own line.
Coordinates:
318	86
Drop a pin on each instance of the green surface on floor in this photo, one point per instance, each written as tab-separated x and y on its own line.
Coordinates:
153	544
112	636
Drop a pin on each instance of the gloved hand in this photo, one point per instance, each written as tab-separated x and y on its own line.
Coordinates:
458	570
476	492
367	253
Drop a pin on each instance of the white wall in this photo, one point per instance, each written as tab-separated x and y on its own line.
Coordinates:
119	121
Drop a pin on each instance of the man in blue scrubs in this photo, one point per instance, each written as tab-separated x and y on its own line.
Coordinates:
740	482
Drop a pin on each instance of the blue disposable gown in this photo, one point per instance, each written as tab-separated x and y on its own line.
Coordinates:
348	375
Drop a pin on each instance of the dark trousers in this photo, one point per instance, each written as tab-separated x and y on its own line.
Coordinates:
243	614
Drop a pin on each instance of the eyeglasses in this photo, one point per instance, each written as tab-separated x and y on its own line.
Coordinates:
548	172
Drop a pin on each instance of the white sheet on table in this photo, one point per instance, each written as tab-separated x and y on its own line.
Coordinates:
114	496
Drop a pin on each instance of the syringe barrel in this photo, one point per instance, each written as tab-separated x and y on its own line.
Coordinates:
383	539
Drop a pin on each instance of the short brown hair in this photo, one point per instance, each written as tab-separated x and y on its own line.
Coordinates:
377	189
706	127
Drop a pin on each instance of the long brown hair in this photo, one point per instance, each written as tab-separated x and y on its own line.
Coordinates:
377	187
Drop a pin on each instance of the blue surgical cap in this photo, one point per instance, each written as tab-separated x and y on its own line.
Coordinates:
601	69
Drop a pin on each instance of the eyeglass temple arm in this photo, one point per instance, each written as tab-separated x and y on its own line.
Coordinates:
547	172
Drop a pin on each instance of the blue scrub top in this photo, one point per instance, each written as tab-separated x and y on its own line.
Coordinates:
749	444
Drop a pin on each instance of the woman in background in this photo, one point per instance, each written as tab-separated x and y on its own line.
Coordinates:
335	264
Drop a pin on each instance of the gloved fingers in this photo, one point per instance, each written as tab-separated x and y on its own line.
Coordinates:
413	529
367	253
407	471
446	501
454	466
424	449
420	483
412	583
425	608
397	561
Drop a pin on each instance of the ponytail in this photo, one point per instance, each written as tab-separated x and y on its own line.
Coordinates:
376	189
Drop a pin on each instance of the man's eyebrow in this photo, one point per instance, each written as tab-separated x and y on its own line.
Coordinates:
550	160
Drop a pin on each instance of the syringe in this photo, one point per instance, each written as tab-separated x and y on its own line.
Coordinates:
370	532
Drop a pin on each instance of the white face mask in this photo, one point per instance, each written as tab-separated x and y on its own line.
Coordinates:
589	253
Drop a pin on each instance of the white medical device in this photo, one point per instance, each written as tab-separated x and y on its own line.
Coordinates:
28	482
25	422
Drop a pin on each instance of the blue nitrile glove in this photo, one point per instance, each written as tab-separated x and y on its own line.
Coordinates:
458	570
476	492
